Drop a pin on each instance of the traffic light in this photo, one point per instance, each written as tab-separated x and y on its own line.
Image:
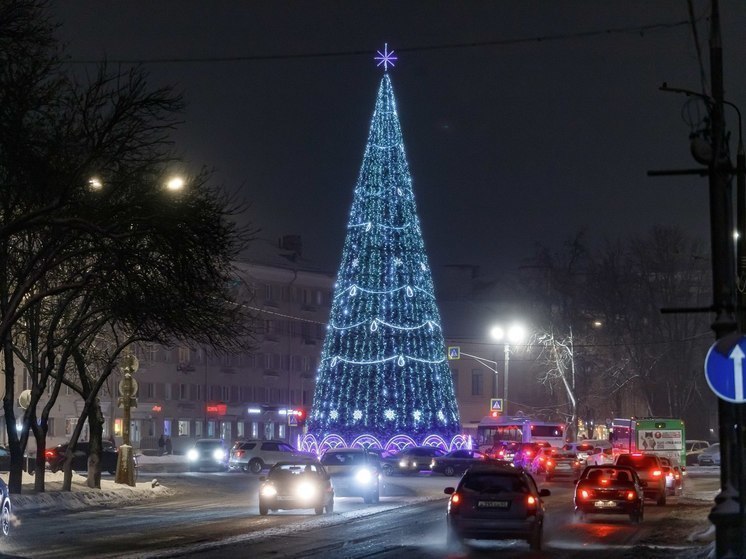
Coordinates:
495	414
301	415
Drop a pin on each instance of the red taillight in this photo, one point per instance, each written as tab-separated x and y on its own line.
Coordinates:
550	463
528	453
604	481
501	453
541	458
531	501
49	453
584	494
657	473
238	453
631	495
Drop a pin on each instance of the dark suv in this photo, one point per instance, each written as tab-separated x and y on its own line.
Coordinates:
650	471
355	472
208	453
55	457
411	460
496	503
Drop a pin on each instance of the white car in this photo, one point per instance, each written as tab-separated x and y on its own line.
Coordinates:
694	449
254	455
710	456
591	448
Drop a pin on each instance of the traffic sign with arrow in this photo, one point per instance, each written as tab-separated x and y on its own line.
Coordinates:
724	369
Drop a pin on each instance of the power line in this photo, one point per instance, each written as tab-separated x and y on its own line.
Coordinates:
638	30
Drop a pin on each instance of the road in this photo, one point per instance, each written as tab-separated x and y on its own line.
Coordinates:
215	515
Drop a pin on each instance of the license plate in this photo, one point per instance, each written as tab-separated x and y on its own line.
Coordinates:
492	504
284	498
563	467
605	504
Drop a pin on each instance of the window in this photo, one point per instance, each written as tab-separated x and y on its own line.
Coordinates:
183	428
225	393
198	429
198	393
183	394
167	396
254	430
149	390
477	382
281	430
239	429
185	355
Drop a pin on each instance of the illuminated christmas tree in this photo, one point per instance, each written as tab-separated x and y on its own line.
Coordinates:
383	379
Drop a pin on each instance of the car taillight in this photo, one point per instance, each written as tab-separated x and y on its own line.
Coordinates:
531	501
453	503
49	453
455	498
631	495
584	494
528	453
657	473
541	458
550	463
501	453
604	481
238	453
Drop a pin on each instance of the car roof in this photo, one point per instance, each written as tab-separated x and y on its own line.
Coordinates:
299	462
495	468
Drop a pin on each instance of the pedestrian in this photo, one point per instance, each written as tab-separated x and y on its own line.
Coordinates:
161	445
169	448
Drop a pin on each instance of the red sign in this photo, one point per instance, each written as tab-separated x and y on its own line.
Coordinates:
157	408
219	409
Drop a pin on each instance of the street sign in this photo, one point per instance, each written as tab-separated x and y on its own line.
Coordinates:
292	420
724	373
454	352
496	404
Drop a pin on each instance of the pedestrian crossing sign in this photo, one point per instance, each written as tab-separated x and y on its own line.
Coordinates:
496	404
454	352
292	420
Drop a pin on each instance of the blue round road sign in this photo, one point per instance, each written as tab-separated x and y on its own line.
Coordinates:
725	373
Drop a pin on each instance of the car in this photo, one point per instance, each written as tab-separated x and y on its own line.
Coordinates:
208	453
299	484
609	490
6	509
650	470
526	452
411	460
562	464
457	462
55	457
693	449
600	456
587	448
355	472
539	463
4	459
496	502
254	455
504	450
674	477
710	456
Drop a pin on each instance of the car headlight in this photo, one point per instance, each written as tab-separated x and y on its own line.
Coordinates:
269	491
403	464
218	454
363	476
192	455
306	491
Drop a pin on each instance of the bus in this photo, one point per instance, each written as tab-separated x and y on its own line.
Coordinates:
495	430
663	436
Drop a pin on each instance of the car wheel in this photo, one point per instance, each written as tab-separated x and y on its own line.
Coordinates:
579	515
5	518
449	471
661	499
535	540
366	499
319	510
635	517
256	465
330	507
376	497
263	509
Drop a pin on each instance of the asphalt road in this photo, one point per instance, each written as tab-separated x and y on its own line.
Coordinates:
215	515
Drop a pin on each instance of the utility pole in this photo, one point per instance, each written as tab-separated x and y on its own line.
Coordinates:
728	513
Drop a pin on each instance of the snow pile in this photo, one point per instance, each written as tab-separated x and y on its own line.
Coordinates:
81	497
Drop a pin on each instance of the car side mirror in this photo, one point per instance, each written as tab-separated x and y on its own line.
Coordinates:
449	491
544	493
262	478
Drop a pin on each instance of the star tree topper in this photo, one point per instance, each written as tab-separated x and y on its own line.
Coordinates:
386	57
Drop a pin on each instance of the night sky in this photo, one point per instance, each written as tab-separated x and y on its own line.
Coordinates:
509	143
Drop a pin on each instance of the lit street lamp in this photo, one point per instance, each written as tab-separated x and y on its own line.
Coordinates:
515	334
175	183
127	399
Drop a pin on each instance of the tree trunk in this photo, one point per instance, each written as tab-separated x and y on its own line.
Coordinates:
95	425
15	478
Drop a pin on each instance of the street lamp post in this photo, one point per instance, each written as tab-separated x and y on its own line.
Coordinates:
127	399
515	334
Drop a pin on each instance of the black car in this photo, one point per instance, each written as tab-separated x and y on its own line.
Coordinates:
355	472
457	462
55	457
302	484
495	502
411	460
526	452
6	510
609	490
208	453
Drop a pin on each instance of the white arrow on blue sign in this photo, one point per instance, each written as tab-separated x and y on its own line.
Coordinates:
724	373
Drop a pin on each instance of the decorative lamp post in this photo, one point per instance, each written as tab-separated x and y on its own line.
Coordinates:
127	400
515	334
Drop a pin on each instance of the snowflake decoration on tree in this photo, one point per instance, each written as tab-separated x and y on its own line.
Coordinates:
441	415
398	261
355	262
334	414
386	57
389	414
357	415
417	415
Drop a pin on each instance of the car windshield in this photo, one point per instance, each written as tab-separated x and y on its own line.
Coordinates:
207	444
617	474
287	470
343	458
637	461
494	483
